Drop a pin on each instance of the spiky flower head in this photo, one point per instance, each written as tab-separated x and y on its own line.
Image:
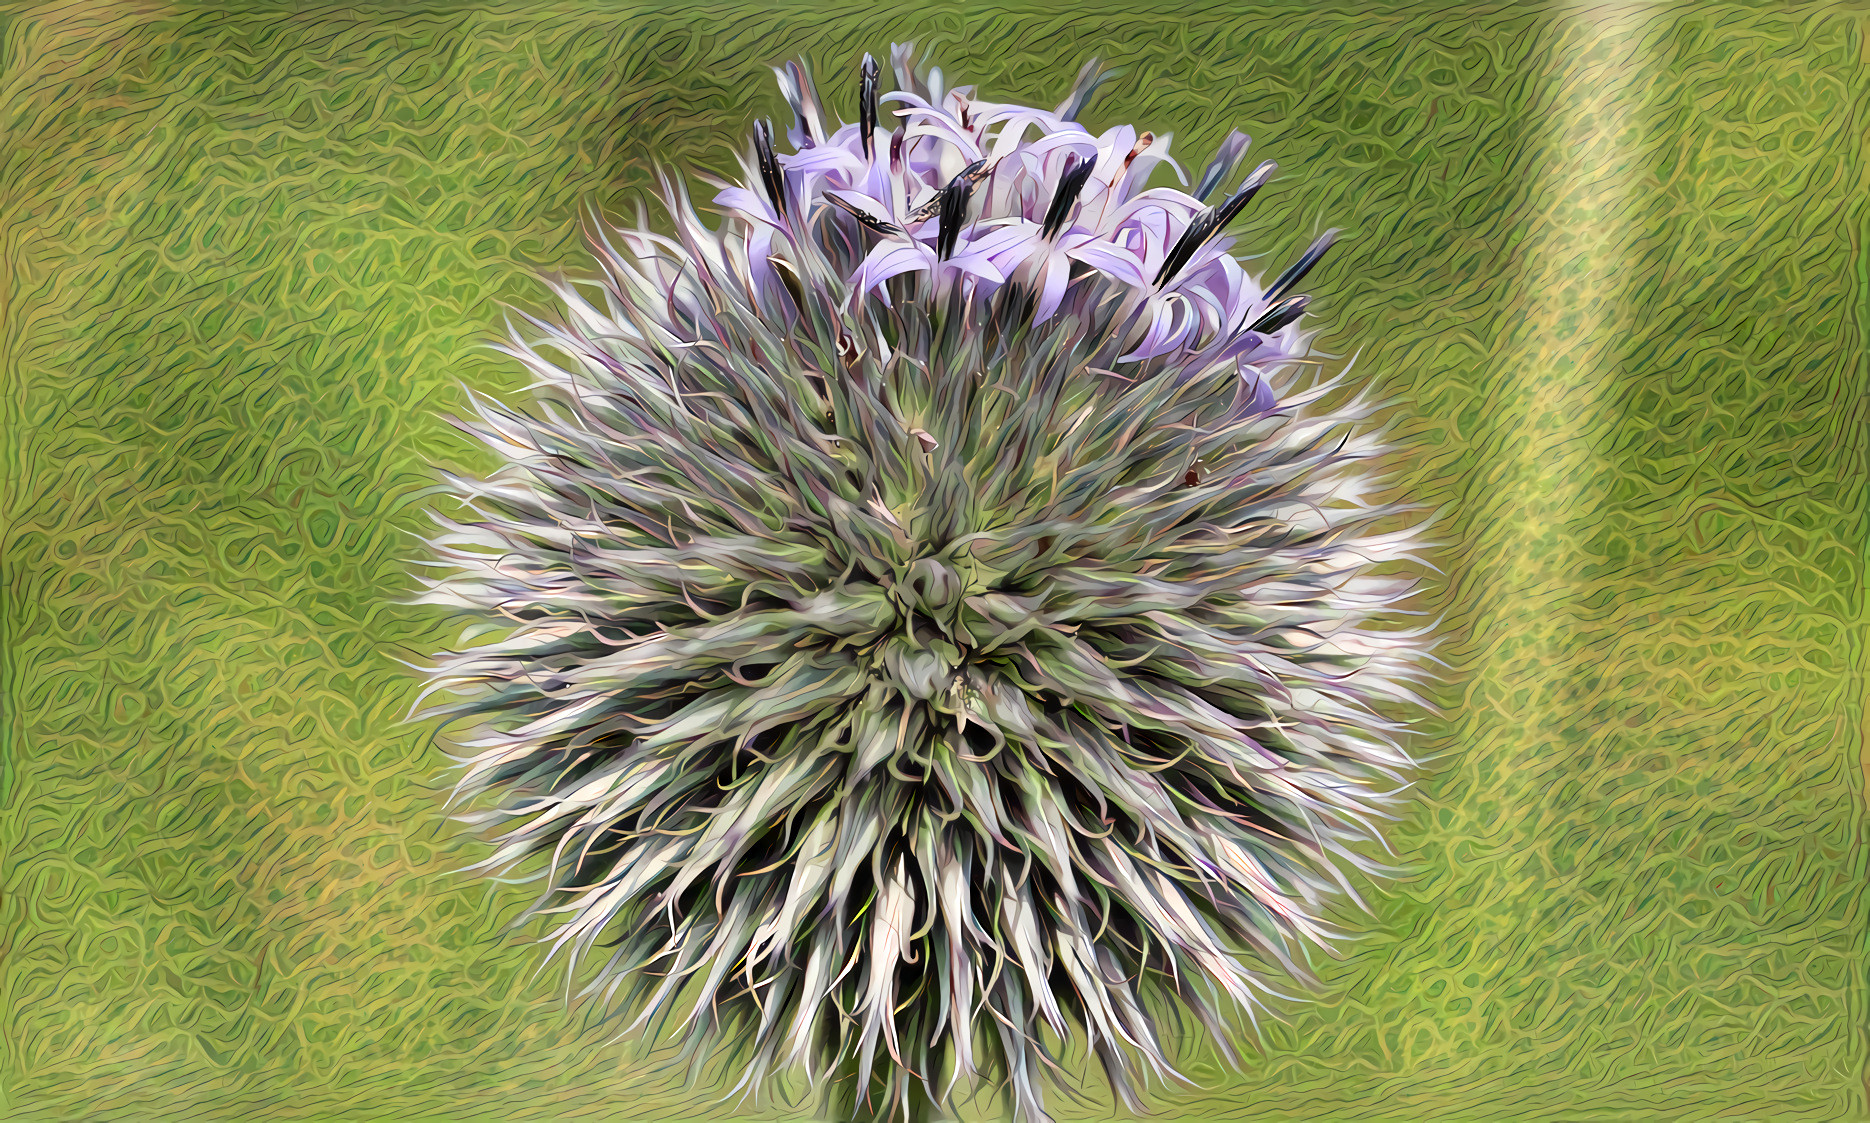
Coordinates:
934	606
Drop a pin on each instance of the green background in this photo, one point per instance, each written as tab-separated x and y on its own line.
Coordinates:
1614	259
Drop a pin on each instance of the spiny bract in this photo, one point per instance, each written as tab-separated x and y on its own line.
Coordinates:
934	615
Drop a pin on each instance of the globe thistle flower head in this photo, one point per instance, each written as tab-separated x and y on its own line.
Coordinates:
933	605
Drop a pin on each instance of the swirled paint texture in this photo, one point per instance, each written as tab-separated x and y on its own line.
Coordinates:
1612	257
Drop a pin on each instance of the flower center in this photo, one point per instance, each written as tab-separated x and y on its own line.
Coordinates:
930	596
928	587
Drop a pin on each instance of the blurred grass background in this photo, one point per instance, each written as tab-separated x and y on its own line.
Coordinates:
1613	258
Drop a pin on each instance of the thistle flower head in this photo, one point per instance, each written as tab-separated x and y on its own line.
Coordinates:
934	604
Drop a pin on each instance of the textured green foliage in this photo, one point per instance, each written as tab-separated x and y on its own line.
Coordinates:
1615	263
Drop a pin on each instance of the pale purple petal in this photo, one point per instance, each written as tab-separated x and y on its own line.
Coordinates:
1165	199
749	204
1221	290
822	159
887	260
980	257
1114	260
1174	319
924	122
910	99
1077	140
1114	146
1263	400
1054	277
1000	240
1137	174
